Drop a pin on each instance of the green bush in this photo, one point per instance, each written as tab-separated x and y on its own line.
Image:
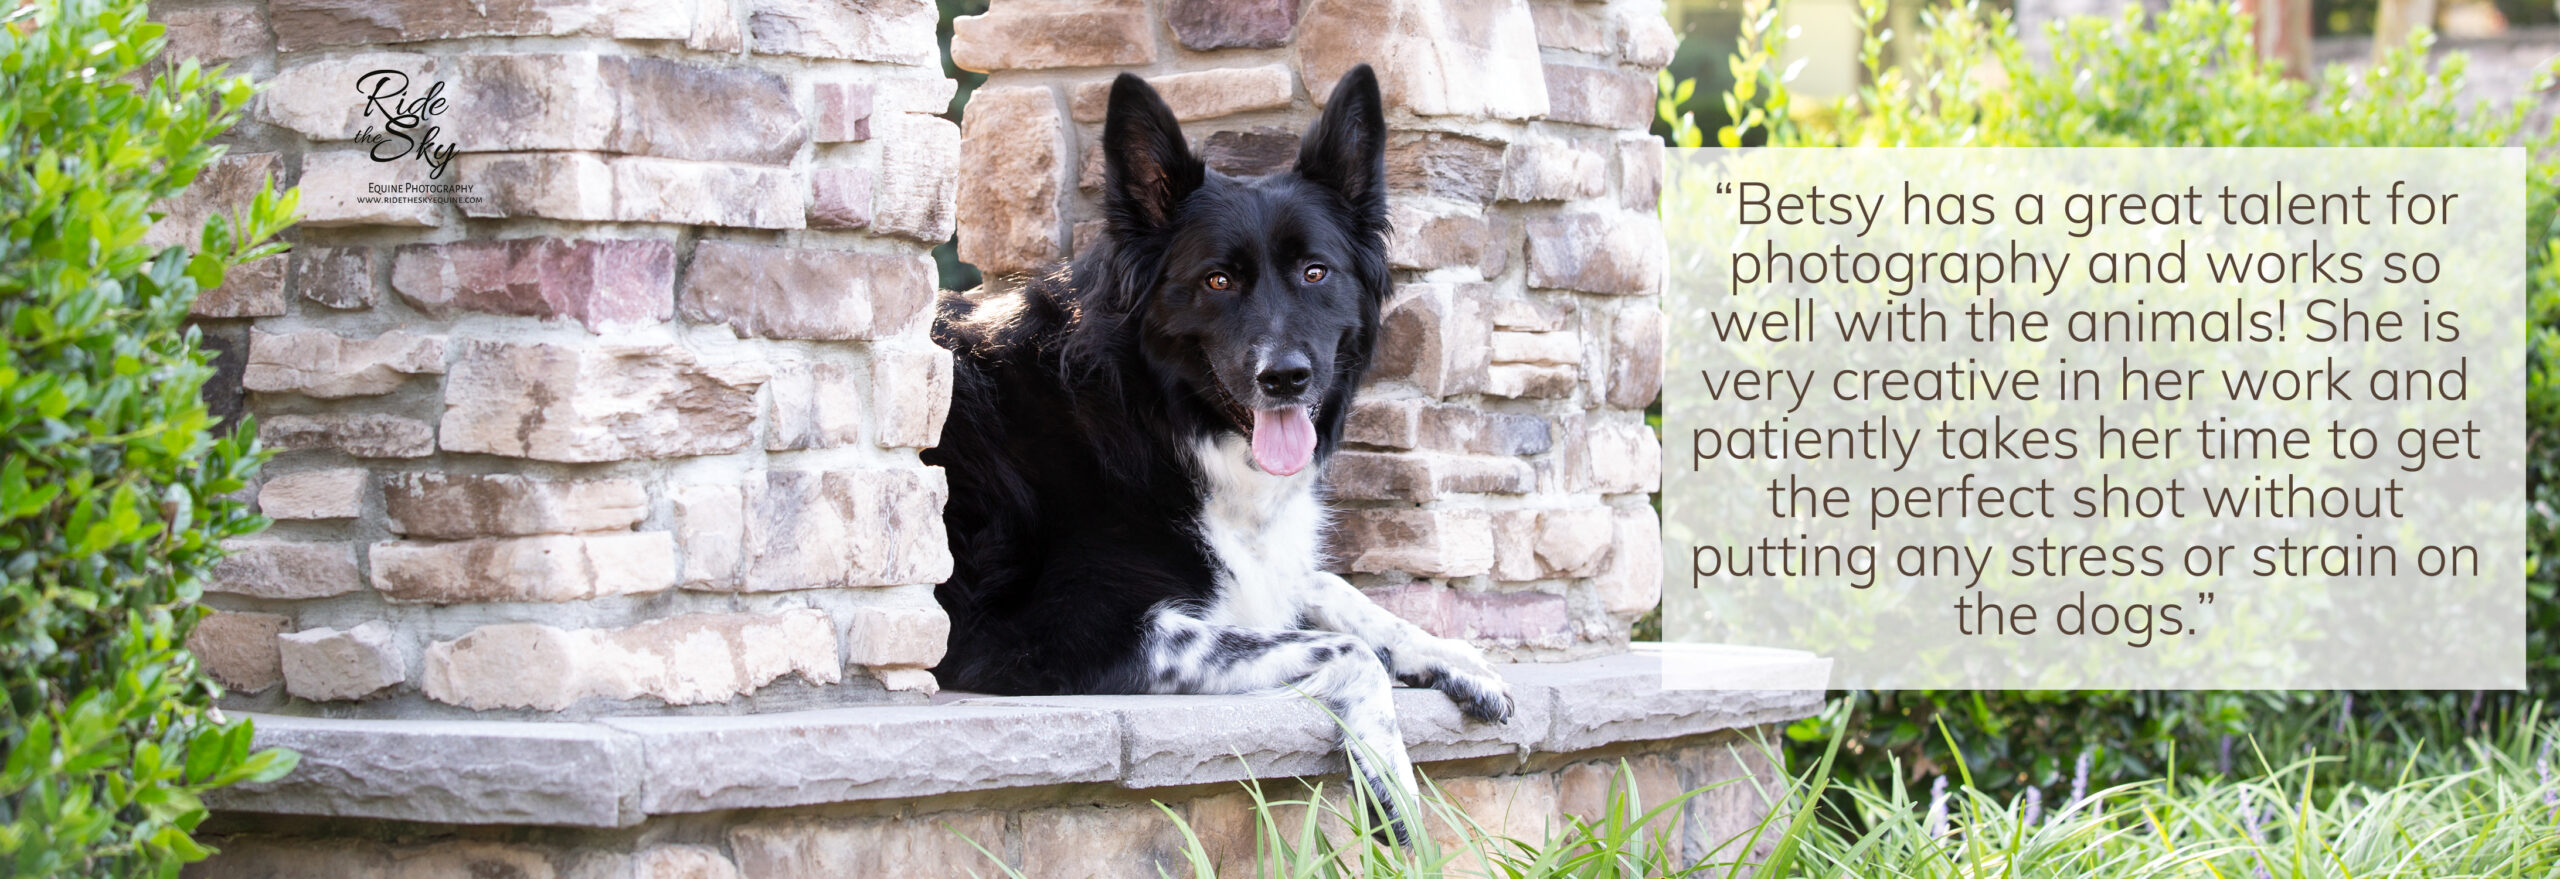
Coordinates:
2187	77
113	489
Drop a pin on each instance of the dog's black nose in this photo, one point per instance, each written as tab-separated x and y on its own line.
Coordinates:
1285	376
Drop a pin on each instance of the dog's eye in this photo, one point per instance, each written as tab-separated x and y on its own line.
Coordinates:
1315	274
1220	281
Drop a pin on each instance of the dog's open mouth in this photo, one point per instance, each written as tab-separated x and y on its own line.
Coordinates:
1284	440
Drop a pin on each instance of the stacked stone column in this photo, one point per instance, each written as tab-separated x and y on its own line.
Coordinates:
1495	481
630	425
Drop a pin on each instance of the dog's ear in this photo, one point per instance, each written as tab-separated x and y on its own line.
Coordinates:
1346	148
1148	169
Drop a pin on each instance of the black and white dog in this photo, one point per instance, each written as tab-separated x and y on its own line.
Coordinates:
1135	443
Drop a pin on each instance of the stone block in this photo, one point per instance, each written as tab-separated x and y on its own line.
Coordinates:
1576	542
1632	581
1640	173
935	844
635	189
1521	807
518	569
1262	150
1549	349
600	284
910	395
1619	253
1433	235
268	567
218	35
707	763
1437	336
604	403
1357	475
1073	842
226	186
335	277
350	188
361	436
1532	315
840	198
843	112
1203	94
681	862
1644	37
1041	34
1602	97
1527	619
1530	381
1013	142
919	176
1548	170
456	506
335	493
711	527
1515	546
902	626
893	31
325	665
1433	57
684	111
1626	457
840	528
684	660
560	186
324	99
1425	543
1635	358
444	772
802	293
239	649
1571	27
1444	165
1203	25
306	24
816	405
251	289
329	366
904	680
1386	423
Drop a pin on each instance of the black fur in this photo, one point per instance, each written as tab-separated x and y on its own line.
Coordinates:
1078	397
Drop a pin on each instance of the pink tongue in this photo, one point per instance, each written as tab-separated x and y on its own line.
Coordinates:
1283	440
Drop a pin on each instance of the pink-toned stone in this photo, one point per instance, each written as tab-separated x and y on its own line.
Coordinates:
1013	142
327	366
1444	165
1614	252
1202	25
600	284
911	395
1632	582
1640	172
344	188
1386	423
840	528
1039	34
1574	542
268	567
513	569
239	649
817	405
1515	546
1571	27
1644	38
895	31
844	112
1626	457
1435	235
357	435
1437	336
453	506
595	403
1425	543
1433	57
639	189
324	99
1635	358
1531	619
335	493
217	35
336	277
1451	428
1548	170
1204	94
801	293
711	527
1359	475
1603	97
840	198
226	187
686	660
251	289
305	24
919	176
1263	150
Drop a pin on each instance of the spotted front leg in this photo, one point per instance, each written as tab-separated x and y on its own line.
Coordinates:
1417	657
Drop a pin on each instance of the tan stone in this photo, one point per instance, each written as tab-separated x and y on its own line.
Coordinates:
454	506
1013	143
1644	37
907	680
636	189
936	844
304	24
336	277
358	435
1427	543
805	293
1626	457
268	567
1640	172
1428	234
711	526
1575	542
1437	336
1549	170
1523	380
895	31
816	405
1531	315
1518	807
1205	94
681	862
239	649
512	569
1603	97
336	493
1632	582
251	289
561	186
1635	358
1433	57
898	627
321	98
213	36
839	528
1515	546
1099	842
603	403
1552	349
325	665
1614	252
1386	423
1038	34
911	395
1454	428
338	188
329	366
226	186
1443	165
919	175
686	660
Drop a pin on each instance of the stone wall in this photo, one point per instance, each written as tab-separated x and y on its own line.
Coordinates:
629	422
1495	481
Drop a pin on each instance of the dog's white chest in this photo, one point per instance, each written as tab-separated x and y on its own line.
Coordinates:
1263	529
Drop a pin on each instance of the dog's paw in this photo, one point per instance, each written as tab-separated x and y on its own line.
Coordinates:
1459	670
1483	697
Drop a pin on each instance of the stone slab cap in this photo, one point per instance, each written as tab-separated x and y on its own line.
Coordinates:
616	771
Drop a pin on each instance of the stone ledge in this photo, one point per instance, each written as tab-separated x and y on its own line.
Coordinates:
619	771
